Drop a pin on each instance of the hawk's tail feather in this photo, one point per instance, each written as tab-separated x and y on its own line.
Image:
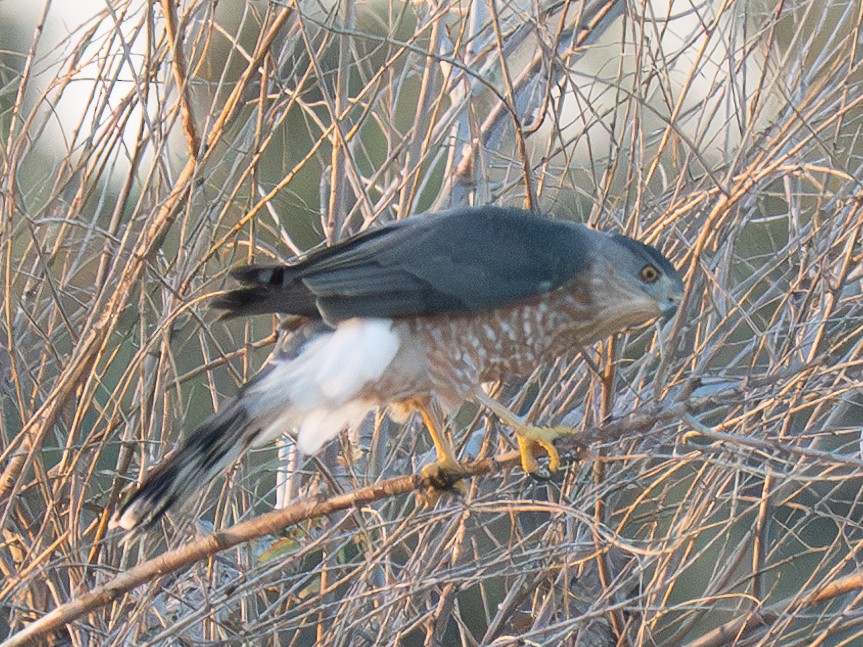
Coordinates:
213	446
313	385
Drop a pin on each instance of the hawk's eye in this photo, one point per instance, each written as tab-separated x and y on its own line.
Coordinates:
649	274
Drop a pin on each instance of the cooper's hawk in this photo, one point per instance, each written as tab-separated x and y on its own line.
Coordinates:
417	315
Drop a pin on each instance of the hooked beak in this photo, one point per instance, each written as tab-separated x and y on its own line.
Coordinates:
669	306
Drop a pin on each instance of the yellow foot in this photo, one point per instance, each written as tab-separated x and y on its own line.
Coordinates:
529	437
445	474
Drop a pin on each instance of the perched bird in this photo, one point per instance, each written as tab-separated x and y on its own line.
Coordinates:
417	315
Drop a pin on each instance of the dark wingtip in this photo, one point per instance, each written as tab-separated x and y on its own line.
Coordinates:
269	275
265	289
241	302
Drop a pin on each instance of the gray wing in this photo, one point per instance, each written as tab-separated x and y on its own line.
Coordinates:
456	262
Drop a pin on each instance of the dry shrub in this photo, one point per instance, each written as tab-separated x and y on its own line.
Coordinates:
147	148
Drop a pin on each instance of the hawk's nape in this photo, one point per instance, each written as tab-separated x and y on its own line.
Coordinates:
416	315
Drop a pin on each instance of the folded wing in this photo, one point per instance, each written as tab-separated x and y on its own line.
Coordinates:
460	261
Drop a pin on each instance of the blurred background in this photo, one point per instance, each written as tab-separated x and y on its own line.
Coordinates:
146	148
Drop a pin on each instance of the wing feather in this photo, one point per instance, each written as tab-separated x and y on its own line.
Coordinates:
460	261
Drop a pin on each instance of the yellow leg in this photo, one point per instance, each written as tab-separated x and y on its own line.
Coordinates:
528	436
444	474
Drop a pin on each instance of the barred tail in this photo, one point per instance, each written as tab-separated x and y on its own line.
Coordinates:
312	385
213	446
